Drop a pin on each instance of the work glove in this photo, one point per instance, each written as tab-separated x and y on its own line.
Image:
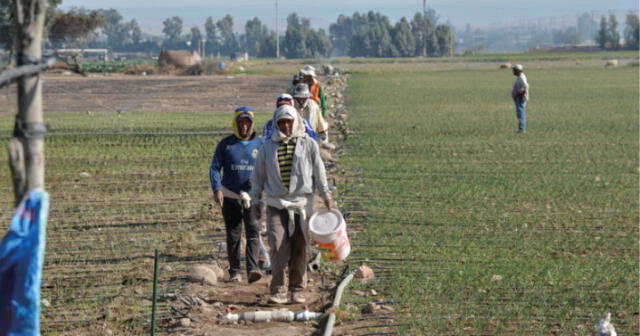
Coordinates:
245	200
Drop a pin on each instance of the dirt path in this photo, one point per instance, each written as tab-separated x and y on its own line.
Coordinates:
204	304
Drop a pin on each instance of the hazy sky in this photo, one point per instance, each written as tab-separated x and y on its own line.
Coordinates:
479	13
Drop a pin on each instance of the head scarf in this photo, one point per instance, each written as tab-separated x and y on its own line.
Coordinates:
286	111
241	112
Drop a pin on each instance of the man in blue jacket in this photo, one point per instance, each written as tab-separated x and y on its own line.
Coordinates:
235	157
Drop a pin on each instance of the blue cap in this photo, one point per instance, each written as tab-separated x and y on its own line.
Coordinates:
244	109
243	112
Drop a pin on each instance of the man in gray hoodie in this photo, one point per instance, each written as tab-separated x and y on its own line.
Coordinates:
287	172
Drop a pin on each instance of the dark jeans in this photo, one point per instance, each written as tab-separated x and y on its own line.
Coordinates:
234	214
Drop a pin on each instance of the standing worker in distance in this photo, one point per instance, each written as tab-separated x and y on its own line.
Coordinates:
236	156
287	171
520	95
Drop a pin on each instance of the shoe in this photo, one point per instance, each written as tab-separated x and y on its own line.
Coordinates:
278	298
235	278
254	276
297	297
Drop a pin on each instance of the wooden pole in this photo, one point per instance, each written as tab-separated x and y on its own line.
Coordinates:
155	294
277	34
424	33
26	148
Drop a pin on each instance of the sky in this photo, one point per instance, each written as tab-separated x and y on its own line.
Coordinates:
477	13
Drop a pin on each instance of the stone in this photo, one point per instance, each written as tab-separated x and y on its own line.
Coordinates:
365	273
217	270
369	308
45	303
203	274
359	293
185	322
387	308
496	278
373	292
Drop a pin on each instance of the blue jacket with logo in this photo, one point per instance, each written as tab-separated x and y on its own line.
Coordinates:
234	160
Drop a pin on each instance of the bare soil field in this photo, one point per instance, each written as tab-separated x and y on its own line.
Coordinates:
96	93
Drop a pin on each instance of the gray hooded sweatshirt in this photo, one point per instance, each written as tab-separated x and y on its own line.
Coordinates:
307	173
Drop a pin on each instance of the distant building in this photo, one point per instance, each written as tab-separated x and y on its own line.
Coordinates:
86	54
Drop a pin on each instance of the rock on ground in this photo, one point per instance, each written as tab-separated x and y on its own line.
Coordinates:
203	274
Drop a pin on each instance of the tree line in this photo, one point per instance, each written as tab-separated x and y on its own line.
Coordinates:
360	35
373	35
369	34
608	36
535	35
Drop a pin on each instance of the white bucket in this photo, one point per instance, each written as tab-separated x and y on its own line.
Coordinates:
329	230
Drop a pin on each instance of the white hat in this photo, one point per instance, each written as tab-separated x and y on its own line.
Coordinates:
285	112
301	91
308	70
517	67
284	96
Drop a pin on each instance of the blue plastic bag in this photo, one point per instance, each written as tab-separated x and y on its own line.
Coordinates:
21	259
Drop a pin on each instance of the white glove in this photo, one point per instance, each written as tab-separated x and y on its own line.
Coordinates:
245	200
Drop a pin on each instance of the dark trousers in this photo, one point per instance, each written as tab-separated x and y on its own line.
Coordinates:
234	214
286	252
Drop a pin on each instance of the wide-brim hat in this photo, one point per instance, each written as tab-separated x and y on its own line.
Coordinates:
301	91
308	70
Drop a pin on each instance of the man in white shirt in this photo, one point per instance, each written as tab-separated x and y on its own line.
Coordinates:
310	111
520	95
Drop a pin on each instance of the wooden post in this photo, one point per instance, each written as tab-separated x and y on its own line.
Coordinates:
424	33
26	148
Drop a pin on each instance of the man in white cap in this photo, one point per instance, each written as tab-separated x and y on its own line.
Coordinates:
520	95
288	170
310	111
317	91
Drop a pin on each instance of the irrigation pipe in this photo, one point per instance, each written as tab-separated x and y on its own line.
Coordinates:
9	76
331	320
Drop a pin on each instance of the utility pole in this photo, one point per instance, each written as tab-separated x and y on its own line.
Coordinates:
451	46
277	34
424	33
26	148
592	30
424	22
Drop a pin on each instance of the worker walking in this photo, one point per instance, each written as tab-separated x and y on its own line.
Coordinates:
520	95
286	99
317	91
310	111
235	156
288	170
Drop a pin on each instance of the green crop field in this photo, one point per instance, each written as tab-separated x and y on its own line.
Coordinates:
470	227
475	229
121	186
